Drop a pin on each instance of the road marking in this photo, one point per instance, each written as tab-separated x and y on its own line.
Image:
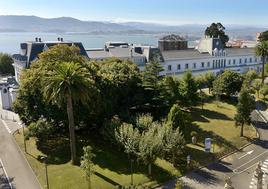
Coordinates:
248	153
261	115
5	124
5	172
235	170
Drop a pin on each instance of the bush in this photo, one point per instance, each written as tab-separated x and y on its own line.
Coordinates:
41	129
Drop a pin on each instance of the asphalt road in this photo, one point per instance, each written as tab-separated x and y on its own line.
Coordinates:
15	171
239	166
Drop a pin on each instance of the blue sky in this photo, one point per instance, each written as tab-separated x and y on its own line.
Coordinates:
172	12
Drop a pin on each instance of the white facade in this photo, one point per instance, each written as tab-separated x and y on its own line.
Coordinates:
215	64
8	93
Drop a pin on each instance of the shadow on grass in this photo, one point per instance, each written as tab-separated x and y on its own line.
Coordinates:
56	149
220	141
107	179
203	115
106	157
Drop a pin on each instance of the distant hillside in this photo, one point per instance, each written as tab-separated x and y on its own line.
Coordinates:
62	24
68	24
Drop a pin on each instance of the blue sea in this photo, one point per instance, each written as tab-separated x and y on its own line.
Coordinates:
10	42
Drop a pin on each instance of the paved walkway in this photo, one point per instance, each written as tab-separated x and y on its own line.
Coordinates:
18	174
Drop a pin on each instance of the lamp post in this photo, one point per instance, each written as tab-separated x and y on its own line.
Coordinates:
131	167
44	159
24	140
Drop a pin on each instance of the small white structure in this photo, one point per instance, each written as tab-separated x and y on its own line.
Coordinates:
8	87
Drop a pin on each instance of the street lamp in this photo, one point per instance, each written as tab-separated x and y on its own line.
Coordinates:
24	140
131	167
44	159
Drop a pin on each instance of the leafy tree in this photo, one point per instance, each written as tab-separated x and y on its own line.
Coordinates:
263	36
227	83
128	138
41	129
68	83
217	30
152	84
261	50
30	104
188	90
120	87
246	104
171	91
201	82
178	119
257	85
264	91
172	143
144	122
87	164
209	79
150	146
6	62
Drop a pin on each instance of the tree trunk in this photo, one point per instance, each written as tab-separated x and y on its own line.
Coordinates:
150	169
242	130
71	128
262	73
89	182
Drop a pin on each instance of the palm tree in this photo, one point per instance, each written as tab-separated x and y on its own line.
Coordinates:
262	51
68	83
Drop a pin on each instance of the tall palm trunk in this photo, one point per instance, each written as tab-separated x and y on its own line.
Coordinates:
262	73
242	130
71	128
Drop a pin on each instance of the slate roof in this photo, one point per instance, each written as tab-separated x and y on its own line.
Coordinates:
195	54
33	49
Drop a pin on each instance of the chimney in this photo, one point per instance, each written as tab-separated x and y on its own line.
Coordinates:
58	38
61	39
36	39
40	40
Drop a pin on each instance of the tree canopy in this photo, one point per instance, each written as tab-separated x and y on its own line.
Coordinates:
228	83
246	104
6	67
263	36
217	30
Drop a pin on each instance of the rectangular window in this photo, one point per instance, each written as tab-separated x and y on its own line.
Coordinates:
194	65
169	67
250	60
246	60
256	59
178	67
234	61
202	64
240	61
229	62
186	66
208	64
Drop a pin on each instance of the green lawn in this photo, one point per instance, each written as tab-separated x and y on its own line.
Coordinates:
112	166
216	121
